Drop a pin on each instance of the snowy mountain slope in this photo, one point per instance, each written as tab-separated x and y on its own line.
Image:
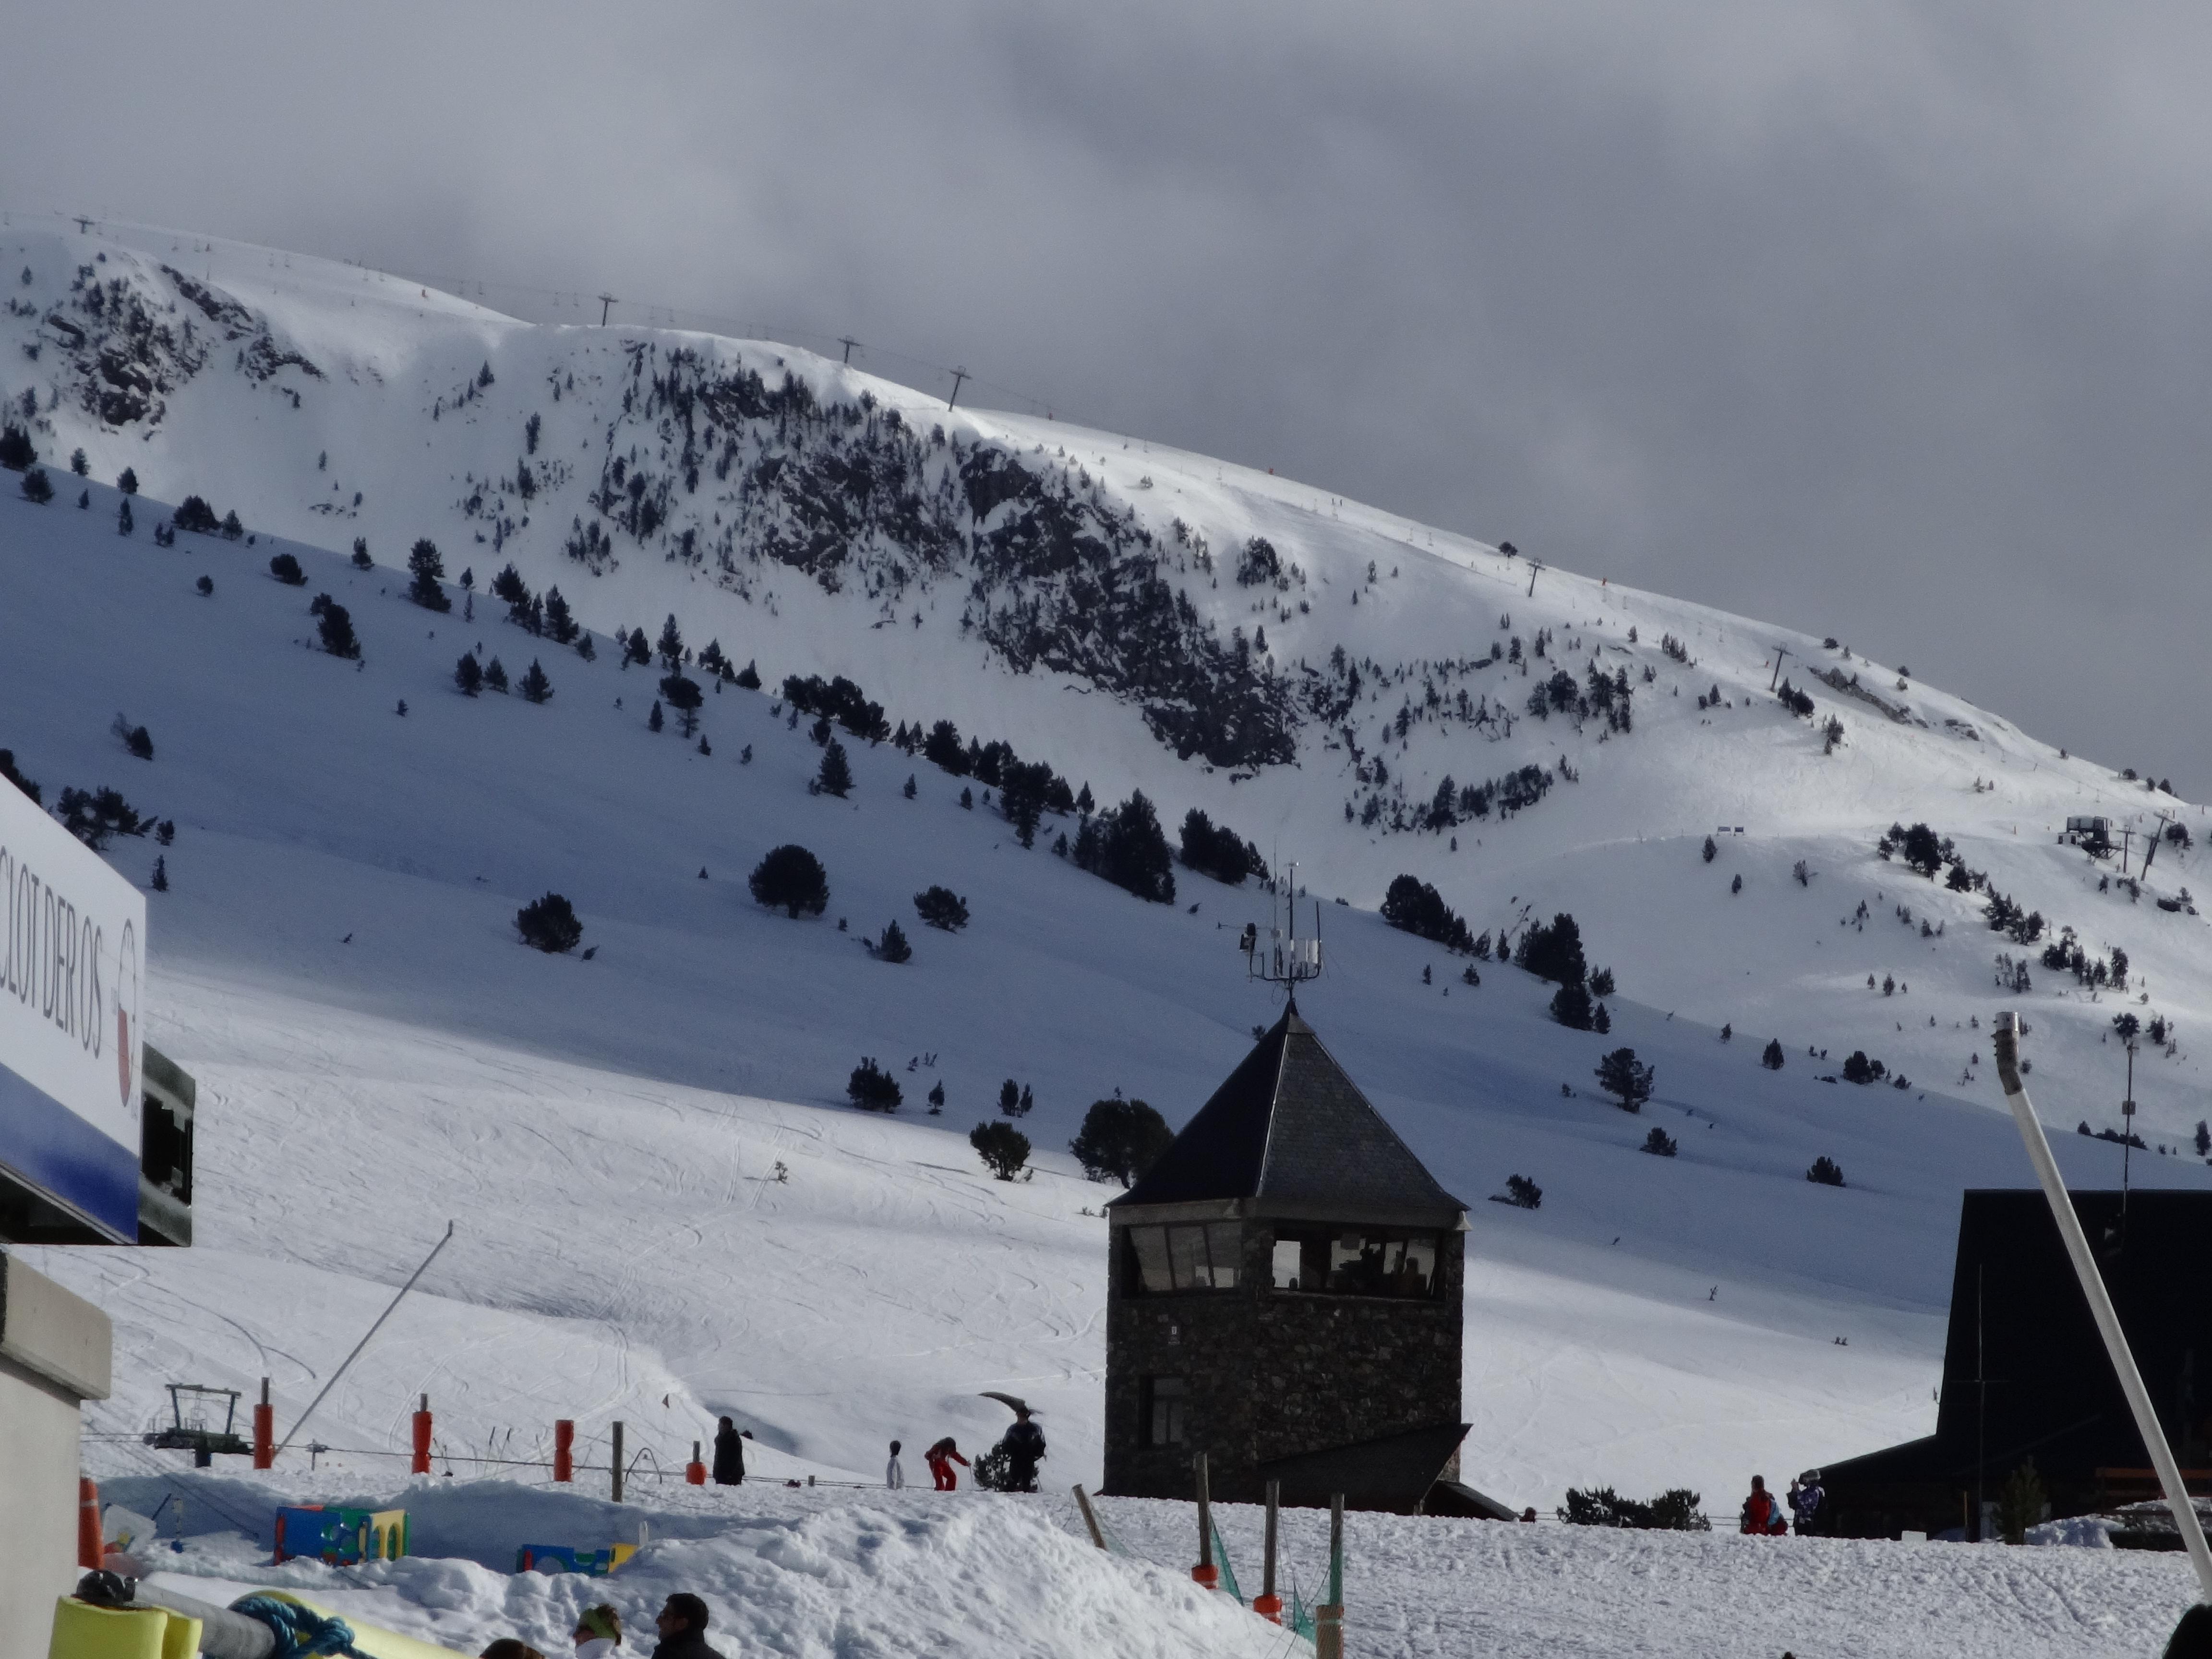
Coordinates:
1082	597
335	958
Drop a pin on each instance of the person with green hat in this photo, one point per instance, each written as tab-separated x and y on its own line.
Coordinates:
598	1632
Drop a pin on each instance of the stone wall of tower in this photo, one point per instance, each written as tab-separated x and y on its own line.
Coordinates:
1272	1374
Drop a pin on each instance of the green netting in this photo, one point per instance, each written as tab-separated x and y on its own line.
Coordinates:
1228	1572
1298	1618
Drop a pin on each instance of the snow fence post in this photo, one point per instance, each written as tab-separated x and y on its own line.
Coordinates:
1090	1518
1328	1618
617	1463
564	1449
265	1431
421	1463
1207	1575
1268	1605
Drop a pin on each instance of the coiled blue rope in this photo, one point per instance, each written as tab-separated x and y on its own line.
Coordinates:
301	1633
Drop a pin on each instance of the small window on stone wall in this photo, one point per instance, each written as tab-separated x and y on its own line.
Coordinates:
1166	1402
1187	1256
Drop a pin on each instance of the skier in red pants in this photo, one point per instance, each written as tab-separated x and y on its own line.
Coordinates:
941	1458
1761	1516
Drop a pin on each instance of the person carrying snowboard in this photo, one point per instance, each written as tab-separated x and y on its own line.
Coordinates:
1023	1444
1760	1515
941	1458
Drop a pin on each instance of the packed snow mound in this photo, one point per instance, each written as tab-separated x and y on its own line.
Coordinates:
810	1572
797	1574
1329	681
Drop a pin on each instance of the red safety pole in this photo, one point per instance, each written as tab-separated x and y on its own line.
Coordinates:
695	1472
1205	1572
422	1464
564	1449
88	1550
265	1431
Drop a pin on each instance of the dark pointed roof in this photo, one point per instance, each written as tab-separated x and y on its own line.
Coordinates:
1291	1132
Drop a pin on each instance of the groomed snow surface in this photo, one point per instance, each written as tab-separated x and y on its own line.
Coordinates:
818	1573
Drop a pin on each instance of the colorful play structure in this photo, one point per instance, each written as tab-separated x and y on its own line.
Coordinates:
341	1538
561	1558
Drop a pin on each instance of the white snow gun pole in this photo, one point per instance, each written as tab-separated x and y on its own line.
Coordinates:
2007	1044
363	1343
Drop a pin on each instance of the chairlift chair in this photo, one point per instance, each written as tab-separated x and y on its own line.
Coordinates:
189	1429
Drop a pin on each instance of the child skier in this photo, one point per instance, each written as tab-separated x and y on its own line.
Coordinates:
941	1458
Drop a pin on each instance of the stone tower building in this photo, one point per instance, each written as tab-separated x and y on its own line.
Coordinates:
1285	1296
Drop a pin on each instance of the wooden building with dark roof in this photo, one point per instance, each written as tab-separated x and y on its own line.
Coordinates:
1285	1295
2026	1378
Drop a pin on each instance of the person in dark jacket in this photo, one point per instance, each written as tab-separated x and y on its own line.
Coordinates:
729	1456
1024	1447
682	1626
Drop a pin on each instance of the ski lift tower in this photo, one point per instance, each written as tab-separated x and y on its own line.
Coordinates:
1282	958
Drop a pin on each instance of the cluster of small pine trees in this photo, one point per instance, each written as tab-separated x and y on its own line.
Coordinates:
1126	846
1219	851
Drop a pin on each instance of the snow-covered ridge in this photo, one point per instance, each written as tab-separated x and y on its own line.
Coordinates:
1140	616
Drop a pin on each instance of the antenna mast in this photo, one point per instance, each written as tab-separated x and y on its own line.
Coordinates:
1282	958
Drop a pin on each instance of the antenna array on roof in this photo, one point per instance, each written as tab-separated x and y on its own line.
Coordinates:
1282	958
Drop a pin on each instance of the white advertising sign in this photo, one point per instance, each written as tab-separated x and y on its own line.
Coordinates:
72	954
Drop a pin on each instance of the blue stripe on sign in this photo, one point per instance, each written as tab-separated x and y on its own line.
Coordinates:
57	1152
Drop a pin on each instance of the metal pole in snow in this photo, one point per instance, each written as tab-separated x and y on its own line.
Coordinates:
1269	1606
2007	1044
1205	1572
363	1343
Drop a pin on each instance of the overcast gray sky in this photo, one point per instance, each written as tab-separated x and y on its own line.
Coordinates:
1878	320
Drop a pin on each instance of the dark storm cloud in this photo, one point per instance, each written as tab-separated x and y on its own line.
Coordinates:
1883	321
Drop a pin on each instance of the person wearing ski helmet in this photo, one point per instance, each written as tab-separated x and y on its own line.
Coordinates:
1805	1498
